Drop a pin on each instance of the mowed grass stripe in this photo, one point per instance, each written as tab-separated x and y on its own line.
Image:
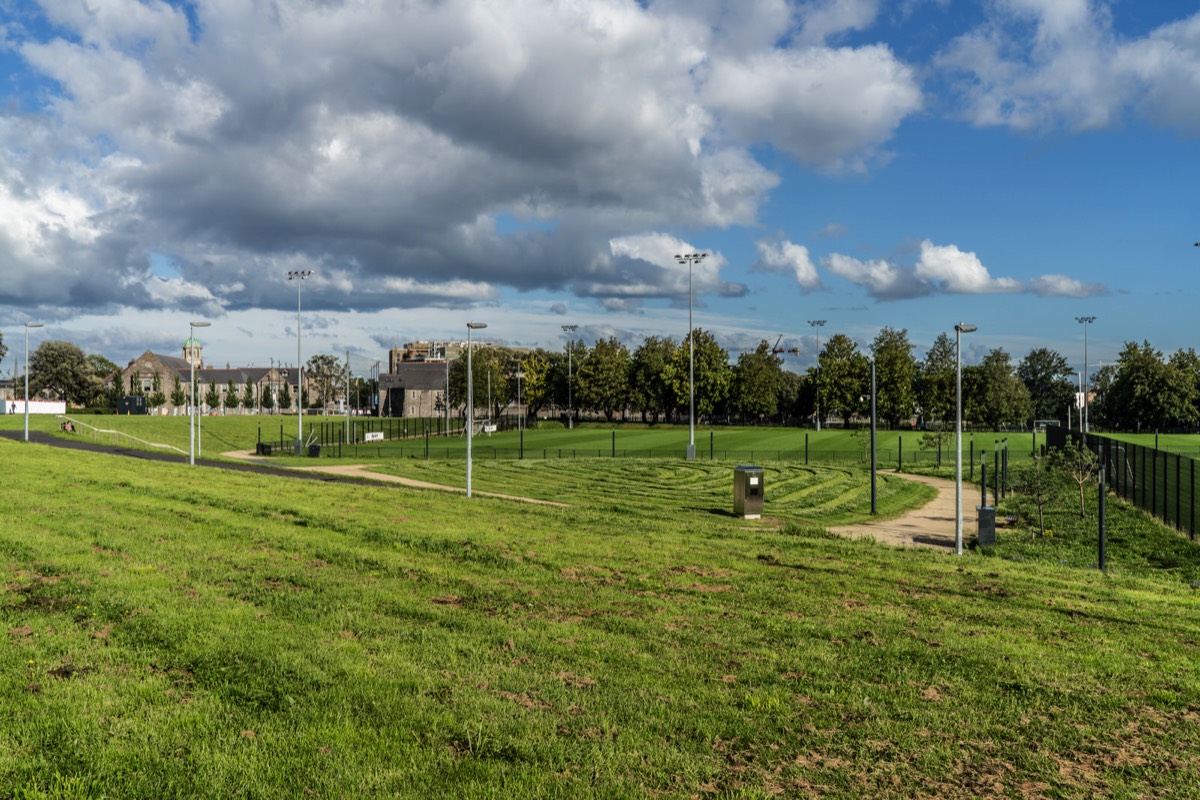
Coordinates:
278	638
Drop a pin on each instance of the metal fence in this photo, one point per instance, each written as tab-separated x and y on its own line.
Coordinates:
1159	482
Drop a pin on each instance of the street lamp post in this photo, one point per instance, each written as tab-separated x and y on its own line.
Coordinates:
192	421
28	325
299	275
817	325
1085	321
959	330
471	326
568	330
691	259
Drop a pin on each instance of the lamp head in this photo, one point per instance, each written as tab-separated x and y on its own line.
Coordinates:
34	324
963	327
476	325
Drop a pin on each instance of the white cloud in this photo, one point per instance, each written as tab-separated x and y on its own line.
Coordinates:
882	280
1045	64
943	269
823	19
955	272
781	256
1063	286
827	107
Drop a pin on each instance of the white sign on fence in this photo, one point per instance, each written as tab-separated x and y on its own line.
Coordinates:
373	436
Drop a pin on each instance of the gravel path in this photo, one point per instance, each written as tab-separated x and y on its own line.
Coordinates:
931	525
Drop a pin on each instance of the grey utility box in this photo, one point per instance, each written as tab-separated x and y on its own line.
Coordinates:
748	492
986	532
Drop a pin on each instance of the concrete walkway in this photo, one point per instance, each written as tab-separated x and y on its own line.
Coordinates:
931	525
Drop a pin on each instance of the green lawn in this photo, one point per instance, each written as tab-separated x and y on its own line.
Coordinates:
221	434
188	632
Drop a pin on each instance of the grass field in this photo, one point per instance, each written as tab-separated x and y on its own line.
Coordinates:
223	434
188	632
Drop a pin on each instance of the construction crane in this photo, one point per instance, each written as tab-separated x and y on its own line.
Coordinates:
776	350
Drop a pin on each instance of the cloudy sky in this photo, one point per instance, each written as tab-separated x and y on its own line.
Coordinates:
535	163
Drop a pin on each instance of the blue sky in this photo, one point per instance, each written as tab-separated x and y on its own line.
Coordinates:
533	163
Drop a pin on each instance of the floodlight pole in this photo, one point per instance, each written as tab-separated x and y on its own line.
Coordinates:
28	325
471	326
959	330
299	275
1085	321
691	259
192	421
817	325
568	330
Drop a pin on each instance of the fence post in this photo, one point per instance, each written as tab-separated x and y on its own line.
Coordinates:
806	449
900	455
1103	512
1178	492
983	480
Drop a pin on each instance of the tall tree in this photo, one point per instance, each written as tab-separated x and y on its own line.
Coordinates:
650	392
993	394
3	347
757	383
537	388
267	398
844	379
1045	374
178	395
62	369
603	378
895	376
326	374
1147	393
712	374
212	397
248	399
157	398
285	398
936	382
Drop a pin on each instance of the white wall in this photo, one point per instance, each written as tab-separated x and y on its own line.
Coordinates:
35	407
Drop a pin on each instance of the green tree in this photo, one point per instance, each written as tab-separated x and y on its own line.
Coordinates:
712	374
757	383
1147	393
537	388
1187	364
157	398
993	394
895	376
285	397
649	391
844	379
326	375
1080	464
267	398
3	347
936	382
1045	374
603	378
62	369
212	398
178	395
248	393
230	396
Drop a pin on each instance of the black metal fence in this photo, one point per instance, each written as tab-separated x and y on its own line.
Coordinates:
1159	482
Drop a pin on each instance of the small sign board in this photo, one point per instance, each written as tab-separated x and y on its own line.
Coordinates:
489	429
373	436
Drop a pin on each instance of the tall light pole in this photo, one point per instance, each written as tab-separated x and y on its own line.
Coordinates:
192	418
568	330
28	325
691	259
299	275
959	330
471	326
818	324
1085	321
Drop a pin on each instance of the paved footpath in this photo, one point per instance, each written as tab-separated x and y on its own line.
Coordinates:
931	525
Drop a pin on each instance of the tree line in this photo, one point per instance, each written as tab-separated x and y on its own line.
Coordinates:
1141	390
650	382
